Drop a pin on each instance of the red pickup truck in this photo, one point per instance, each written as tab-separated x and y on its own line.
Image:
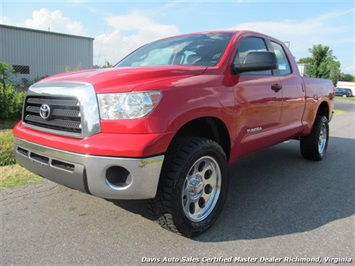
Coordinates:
166	122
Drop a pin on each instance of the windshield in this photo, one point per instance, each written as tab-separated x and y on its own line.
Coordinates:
196	50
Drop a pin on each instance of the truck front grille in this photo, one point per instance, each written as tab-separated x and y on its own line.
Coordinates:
54	113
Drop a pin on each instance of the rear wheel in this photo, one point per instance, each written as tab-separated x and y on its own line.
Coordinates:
193	186
314	146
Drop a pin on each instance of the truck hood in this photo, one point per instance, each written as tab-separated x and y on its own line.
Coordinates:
125	78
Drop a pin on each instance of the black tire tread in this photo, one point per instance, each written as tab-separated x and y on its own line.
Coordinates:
309	144
177	155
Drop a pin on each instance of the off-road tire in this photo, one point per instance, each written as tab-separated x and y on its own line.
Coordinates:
193	186
314	146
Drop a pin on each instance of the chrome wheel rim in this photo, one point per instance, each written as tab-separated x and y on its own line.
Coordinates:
322	141
201	189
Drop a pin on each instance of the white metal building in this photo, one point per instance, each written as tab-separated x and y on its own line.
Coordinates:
37	53
347	85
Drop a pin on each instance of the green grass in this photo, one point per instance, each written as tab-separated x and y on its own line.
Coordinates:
345	98
338	112
7	156
11	174
14	175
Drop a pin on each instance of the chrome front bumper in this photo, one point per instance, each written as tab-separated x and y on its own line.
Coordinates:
105	177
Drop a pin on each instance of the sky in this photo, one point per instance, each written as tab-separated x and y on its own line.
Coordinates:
119	27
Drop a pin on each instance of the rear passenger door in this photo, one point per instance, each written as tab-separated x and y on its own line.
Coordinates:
293	101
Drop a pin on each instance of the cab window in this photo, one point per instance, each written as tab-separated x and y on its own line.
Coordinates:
247	45
195	50
284	65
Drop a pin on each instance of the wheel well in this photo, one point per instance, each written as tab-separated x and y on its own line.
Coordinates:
209	128
323	110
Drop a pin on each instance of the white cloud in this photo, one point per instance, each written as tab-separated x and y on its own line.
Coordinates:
45	19
301	34
123	33
6	20
128	33
349	69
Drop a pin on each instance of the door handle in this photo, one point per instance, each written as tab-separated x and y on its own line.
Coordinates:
276	87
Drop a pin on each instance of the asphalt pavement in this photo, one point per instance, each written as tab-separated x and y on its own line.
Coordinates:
281	209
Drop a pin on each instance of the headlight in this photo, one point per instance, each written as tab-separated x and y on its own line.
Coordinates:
129	105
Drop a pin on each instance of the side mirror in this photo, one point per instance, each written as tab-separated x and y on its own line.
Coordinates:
256	61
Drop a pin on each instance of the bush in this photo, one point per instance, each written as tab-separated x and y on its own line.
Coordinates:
7	153
12	109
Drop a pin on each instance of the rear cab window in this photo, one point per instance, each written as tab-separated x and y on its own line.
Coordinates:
282	60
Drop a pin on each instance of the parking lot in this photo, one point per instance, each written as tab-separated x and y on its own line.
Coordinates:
280	209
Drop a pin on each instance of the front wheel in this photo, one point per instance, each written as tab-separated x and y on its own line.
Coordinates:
314	146
193	186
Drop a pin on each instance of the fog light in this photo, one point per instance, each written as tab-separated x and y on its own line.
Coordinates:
118	177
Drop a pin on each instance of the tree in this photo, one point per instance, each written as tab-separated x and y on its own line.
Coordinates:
346	77
335	73
304	60
68	69
6	72
107	65
322	63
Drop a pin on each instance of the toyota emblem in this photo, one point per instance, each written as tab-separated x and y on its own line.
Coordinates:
45	111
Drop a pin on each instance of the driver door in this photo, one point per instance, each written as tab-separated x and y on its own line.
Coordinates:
258	102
